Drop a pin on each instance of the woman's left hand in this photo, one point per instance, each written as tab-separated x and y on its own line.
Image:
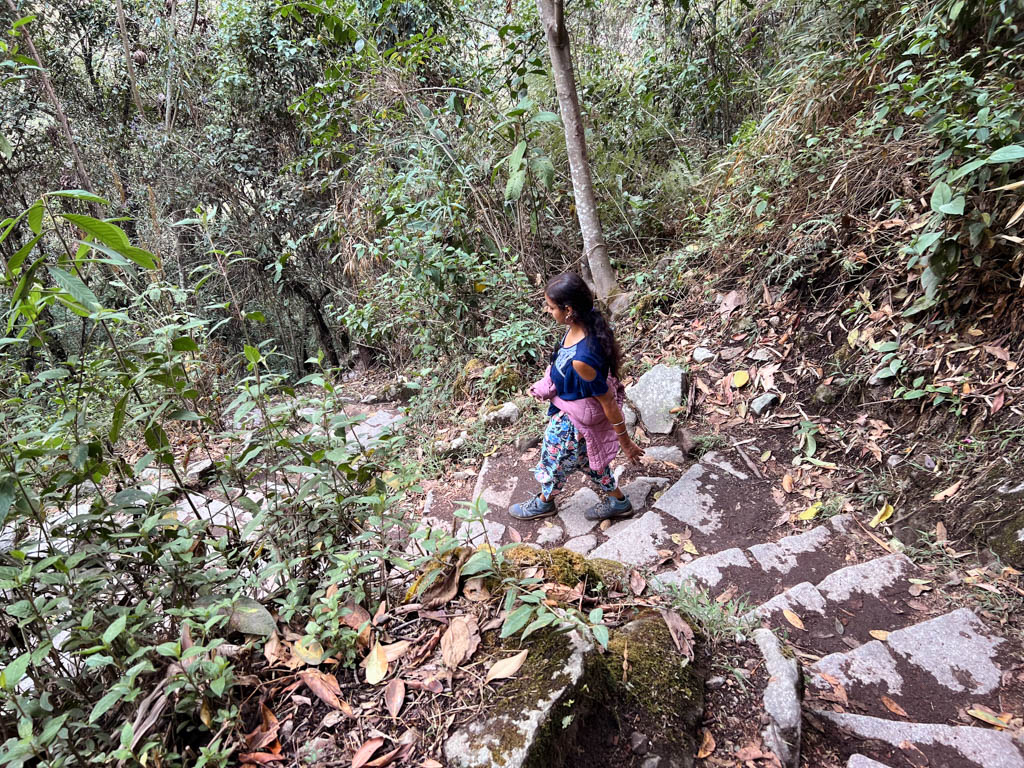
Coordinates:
633	451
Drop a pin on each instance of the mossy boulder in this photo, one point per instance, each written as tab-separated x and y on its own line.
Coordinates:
564	566
999	511
571	703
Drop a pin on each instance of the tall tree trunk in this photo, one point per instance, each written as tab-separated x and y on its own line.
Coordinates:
552	18
129	61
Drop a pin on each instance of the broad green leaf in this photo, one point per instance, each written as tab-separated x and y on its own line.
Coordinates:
19	257
544	170
514	187
117	422
941	195
545	117
515	160
954	207
104	704
244	614
480	561
967	168
6	498
13	673
115	629
74	286
184	344
252	354
35	217
516	620
1009	154
600	634
79	194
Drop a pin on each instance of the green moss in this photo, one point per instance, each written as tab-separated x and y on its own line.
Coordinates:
1009	548
567	567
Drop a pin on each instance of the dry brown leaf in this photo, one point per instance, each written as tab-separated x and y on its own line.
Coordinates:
357	617
707	745
793	619
893	707
513	535
475	590
274	651
446	587
682	634
940	533
376	665
637	582
265	733
879	634
326	688
455	643
309	651
429	763
395	651
260	758
386	759
787	483
365	752
750	752
948	493
506	667
394	696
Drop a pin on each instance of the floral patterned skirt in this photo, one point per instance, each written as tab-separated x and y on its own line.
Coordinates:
563	452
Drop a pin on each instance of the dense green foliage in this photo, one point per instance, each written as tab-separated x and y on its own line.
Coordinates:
312	186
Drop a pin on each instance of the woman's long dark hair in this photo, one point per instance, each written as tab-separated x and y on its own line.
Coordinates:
569	291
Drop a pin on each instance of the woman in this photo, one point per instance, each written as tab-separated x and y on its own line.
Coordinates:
587	427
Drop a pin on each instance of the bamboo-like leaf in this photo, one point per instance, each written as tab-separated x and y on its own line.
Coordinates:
793	619
506	667
376	665
394	696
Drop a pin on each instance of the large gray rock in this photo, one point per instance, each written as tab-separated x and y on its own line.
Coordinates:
869	578
781	699
689	502
634	542
507	414
974	746
656	393
706	571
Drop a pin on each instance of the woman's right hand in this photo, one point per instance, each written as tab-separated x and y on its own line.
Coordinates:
633	451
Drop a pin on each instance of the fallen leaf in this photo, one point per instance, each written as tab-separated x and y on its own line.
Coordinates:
506	667
260	758
879	634
682	633
793	619
274	651
309	651
446	587
787	483
394	696
986	716
365	752
948	492
893	707
395	651
998	352
475	590
386	759
883	514
811	512
749	753
513	536
357	617
455	642
940	533
740	379
707	745
376	665
688	546
326	688
428	763
637	582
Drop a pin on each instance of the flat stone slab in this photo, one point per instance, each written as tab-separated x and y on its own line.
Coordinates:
473	532
715	459
868	578
655	394
639	489
781	699
634	542
671	453
859	761
781	555
954	649
570	512
582	544
706	571
983	747
689	502
549	534
496	491
868	664
800	598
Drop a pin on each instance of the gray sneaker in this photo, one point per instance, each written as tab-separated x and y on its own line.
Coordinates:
610	509
534	509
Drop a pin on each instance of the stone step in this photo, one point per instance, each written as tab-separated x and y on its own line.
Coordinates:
932	744
840	611
762	570
859	761
929	669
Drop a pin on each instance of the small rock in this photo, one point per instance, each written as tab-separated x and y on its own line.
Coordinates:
703	355
368	399
463	474
639	743
651	762
740	638
526	442
198	469
716	682
687	442
457	444
507	414
630	416
731	353
761	354
824	395
549	534
761	403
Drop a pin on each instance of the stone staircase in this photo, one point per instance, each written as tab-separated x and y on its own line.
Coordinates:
887	677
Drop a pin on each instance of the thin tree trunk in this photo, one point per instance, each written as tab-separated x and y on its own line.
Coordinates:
552	18
129	61
62	118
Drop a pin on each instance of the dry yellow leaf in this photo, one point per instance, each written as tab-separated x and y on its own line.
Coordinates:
793	619
376	665
707	745
811	512
740	379
893	707
883	514
879	634
310	651
688	546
